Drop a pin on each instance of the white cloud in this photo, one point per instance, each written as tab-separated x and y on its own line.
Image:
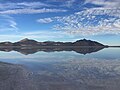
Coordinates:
34	4
21	5
64	3
90	22
45	20
101	11
31	11
8	23
27	8
105	3
68	3
117	23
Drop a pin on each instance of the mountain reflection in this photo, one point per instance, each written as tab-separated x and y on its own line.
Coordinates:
60	71
32	50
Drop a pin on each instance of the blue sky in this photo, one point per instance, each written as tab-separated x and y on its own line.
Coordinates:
60	20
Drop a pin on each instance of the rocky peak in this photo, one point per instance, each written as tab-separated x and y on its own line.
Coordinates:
85	42
24	40
27	40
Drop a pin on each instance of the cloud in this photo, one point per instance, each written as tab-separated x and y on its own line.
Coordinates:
8	23
37	5
115	12
91	21
45	20
105	3
68	3
95	21
84	23
21	5
31	11
117	23
27	8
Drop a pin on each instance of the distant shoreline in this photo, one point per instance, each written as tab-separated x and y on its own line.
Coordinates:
55	46
58	46
114	46
28	43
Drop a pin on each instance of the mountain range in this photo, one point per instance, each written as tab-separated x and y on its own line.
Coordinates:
27	46
29	42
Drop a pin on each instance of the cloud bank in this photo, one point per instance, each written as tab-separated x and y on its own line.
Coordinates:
86	17
27	8
91	21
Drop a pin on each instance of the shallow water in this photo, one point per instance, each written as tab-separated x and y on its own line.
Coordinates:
68	70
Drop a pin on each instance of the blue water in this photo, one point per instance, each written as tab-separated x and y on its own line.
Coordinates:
69	70
48	57
45	59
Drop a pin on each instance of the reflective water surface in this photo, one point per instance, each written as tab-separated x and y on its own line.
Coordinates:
60	69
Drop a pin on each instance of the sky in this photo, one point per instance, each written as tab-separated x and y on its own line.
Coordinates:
60	20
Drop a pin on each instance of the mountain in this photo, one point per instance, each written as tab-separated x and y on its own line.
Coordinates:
85	42
28	46
28	42
6	44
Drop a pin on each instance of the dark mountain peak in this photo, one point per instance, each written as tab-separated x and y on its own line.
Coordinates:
85	42
84	39
6	43
26	40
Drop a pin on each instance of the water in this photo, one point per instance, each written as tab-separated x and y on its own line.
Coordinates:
67	69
